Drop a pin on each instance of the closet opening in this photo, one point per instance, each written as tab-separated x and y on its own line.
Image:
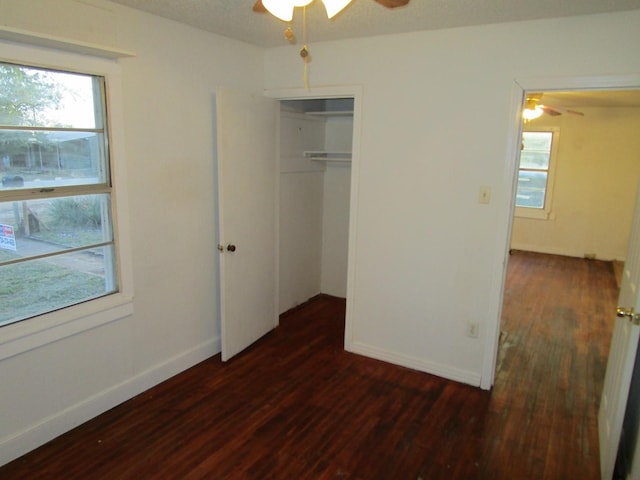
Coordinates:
315	147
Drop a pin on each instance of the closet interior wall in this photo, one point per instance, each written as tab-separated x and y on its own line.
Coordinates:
315	177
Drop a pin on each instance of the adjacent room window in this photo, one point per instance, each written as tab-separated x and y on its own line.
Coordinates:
56	233
535	173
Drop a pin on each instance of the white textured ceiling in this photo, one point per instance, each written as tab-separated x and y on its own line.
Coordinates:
362	18
593	99
235	18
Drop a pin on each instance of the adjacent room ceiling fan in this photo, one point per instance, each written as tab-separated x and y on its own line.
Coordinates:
333	6
533	108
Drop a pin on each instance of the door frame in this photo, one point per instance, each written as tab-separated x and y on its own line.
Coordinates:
505	221
355	92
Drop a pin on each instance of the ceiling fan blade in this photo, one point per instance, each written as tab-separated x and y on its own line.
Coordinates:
550	111
553	110
259	7
575	112
392	3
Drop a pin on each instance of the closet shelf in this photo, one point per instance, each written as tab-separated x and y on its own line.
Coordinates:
328	156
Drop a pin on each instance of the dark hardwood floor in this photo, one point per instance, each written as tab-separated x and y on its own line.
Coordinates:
296	406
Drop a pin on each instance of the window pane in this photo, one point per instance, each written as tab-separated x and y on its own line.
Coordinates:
54	252
531	189
39	286
534	160
32	97
37	227
537	140
536	150
45	159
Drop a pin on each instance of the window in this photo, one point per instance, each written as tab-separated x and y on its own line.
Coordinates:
533	194
57	245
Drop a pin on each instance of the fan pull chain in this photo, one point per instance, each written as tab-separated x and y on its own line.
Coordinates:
304	52
288	33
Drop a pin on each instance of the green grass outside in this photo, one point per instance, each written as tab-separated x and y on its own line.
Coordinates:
70	237
32	288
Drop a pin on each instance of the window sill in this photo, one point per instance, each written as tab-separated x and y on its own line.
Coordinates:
535	213
51	327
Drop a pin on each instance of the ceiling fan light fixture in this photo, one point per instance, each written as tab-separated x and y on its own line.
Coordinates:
532	113
532	109
333	7
283	9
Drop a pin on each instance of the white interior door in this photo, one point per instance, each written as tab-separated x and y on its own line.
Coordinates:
624	345
247	181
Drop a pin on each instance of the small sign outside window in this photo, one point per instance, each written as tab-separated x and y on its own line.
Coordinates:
7	237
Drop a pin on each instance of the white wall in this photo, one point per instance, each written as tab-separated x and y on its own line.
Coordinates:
598	167
168	91
301	196
301	193
335	229
437	113
314	209
335	211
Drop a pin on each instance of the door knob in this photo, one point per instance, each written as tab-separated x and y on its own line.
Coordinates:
231	248
629	313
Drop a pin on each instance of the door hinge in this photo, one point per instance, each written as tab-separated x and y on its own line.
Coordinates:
633	317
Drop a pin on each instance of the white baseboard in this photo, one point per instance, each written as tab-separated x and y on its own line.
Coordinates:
444	371
563	251
55	425
548	250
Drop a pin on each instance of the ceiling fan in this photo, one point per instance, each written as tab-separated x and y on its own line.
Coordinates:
260	8
533	108
284	10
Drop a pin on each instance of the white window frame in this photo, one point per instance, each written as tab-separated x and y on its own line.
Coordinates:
38	331
544	213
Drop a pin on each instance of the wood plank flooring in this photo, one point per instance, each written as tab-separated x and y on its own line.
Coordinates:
557	324
296	406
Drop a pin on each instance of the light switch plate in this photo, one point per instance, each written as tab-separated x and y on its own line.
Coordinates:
485	194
